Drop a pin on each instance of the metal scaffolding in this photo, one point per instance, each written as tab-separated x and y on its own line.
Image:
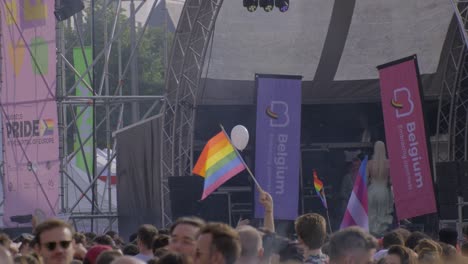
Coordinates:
452	120
106	97
452	125
191	41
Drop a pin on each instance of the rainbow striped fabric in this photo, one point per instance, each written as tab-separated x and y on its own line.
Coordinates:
318	184
357	211
217	163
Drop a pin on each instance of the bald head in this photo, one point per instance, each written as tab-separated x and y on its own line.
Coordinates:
251	241
127	260
5	256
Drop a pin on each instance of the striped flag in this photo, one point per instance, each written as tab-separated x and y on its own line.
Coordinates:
318	184
357	211
217	163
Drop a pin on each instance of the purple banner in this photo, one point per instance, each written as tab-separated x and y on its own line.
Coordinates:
278	138
29	110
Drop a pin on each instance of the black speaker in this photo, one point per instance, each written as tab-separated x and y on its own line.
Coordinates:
447	176
185	194
451	183
215	208
68	8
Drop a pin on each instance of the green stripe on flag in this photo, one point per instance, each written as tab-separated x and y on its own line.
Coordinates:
228	158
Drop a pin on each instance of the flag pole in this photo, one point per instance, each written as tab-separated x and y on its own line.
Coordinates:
328	215
242	160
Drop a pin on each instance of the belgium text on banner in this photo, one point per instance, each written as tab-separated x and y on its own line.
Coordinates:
277	146
410	170
29	110
217	163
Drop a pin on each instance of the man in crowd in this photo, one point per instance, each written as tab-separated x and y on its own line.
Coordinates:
145	237
392	238
217	244
183	235
352	245
311	230
251	245
5	256
54	242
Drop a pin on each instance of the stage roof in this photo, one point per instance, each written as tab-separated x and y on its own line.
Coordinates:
335	45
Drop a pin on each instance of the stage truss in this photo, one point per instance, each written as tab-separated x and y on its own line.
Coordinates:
452	126
189	47
452	121
107	98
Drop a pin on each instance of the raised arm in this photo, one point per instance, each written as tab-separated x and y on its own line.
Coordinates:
267	201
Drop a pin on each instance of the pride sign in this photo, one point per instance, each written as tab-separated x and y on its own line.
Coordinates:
28	108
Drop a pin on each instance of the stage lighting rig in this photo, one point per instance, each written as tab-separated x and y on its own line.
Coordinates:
251	5
267	5
68	8
282	5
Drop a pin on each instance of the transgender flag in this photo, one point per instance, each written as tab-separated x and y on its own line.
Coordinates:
356	212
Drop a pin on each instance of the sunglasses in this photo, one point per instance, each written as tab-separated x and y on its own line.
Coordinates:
52	245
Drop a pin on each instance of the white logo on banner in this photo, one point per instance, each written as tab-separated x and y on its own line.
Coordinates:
281	110
402	102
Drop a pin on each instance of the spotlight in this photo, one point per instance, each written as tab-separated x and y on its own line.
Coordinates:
282	5
267	5
251	5
68	8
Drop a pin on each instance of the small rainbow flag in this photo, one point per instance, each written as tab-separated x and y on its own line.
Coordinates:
318	184
217	163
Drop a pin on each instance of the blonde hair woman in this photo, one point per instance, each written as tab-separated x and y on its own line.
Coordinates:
380	196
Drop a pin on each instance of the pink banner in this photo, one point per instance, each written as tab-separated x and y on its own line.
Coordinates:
31	171
406	139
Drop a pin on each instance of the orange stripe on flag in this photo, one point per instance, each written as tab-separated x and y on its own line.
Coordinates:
214	145
318	184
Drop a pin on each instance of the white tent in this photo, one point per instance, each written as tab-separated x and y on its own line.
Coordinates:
79	182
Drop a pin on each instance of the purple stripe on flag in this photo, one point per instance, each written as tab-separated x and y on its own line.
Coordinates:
211	188
222	171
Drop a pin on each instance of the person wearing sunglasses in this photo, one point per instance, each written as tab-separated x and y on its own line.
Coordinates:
54	242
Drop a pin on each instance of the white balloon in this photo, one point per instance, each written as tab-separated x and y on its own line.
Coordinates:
240	137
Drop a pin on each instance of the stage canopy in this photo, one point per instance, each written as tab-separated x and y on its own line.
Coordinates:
335	45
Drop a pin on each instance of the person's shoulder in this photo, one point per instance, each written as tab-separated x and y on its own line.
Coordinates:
317	259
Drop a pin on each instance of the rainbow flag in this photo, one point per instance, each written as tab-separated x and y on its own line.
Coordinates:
357	211
217	163
318	184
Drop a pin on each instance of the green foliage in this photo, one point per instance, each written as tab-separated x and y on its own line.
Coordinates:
151	68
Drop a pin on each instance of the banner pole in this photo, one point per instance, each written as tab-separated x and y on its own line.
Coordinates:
242	160
329	223
326	209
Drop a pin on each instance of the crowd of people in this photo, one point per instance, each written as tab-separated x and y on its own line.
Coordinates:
192	240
